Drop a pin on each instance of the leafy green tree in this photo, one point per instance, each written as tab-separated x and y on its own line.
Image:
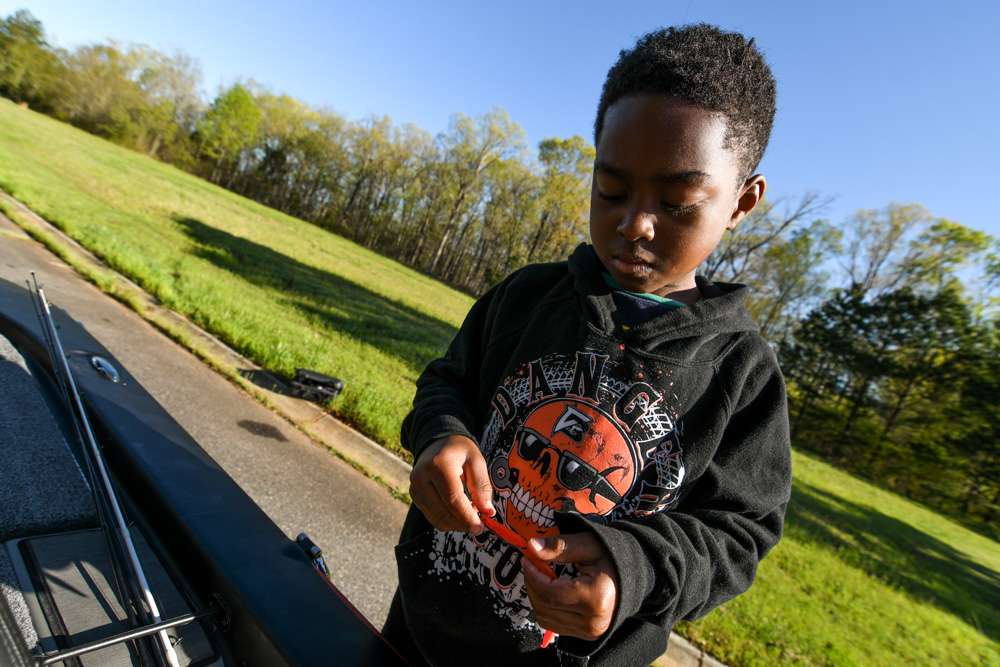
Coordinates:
298	153
229	127
934	258
789	276
992	266
495	247
891	378
470	147
173	105
102	94
978	412
369	147
565	194
30	70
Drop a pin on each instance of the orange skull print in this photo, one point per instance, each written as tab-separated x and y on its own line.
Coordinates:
571	434
568	456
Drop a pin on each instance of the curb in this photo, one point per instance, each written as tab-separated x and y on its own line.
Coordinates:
682	653
356	449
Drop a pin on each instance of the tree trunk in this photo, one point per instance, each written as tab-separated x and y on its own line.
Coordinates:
543	221
346	208
449	226
457	252
856	400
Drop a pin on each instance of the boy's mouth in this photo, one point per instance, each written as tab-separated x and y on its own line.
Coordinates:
632	265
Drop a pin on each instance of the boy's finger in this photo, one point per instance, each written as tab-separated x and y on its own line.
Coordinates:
428	500
452	493
477	481
577	548
559	593
447	517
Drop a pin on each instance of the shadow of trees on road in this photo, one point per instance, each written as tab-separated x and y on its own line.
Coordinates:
898	553
352	309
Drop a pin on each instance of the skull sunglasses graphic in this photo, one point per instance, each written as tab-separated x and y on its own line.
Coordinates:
569	455
572	472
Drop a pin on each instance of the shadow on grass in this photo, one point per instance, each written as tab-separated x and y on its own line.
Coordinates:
898	553
395	328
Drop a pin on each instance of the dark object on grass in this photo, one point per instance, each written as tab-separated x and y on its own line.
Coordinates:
314	386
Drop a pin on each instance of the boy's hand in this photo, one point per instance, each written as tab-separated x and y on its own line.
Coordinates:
577	607
436	484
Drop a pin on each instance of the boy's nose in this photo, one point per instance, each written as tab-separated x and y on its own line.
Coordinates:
638	225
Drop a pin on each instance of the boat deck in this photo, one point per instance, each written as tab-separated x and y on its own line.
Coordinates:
55	570
42	489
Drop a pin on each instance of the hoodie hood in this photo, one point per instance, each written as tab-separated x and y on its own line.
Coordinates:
720	311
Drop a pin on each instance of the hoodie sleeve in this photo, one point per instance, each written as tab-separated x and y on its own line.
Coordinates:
681	564
447	390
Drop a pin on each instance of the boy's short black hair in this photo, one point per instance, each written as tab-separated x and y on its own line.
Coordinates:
701	64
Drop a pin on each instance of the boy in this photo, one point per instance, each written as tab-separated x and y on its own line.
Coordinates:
618	412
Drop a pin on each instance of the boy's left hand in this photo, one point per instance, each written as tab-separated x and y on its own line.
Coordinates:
577	607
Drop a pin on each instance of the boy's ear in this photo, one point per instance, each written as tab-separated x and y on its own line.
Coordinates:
750	195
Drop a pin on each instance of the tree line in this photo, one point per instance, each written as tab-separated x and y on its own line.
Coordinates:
886	324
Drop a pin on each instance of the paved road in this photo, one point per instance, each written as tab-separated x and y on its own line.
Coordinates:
300	485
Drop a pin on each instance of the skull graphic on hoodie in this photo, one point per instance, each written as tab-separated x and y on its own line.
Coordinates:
583	434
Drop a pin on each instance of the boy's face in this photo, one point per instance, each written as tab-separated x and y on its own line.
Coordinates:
665	190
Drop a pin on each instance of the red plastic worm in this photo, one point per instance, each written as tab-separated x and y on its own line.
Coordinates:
521	544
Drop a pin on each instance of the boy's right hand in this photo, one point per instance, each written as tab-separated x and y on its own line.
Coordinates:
436	484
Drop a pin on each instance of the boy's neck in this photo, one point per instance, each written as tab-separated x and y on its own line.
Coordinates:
684	295
685	290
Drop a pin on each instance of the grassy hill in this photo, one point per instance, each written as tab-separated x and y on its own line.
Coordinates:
862	577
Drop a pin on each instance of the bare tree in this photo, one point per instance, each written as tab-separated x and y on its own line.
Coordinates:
763	227
877	241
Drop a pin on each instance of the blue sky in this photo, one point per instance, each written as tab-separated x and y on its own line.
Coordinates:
878	101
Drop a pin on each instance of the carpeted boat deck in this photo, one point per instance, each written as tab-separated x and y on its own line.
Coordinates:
42	489
51	556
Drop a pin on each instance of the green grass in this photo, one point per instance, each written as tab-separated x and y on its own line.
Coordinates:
862	577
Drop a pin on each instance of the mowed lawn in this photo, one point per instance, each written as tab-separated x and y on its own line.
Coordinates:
862	577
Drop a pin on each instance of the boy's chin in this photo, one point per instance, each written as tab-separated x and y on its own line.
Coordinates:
636	282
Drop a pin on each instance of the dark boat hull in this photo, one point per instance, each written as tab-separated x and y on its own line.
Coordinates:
275	609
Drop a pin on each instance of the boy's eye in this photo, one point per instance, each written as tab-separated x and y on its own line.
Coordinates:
679	209
609	187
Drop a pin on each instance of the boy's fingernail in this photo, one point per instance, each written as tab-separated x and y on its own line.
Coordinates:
490	511
537	543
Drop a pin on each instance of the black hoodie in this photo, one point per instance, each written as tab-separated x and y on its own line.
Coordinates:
667	439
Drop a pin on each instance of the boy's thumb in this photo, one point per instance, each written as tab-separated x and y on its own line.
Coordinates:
477	483
576	548
548	548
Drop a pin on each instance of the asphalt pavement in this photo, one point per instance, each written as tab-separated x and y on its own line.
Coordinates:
299	484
